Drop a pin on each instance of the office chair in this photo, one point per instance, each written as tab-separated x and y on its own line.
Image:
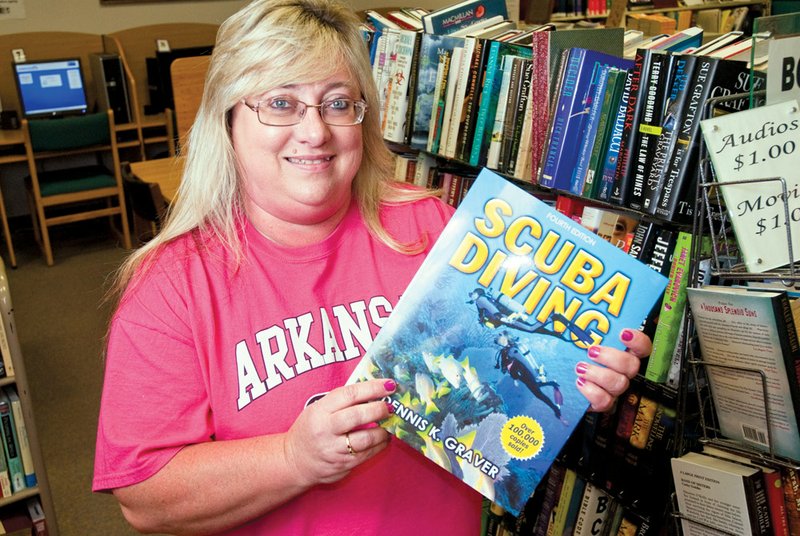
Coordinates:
146	203
59	195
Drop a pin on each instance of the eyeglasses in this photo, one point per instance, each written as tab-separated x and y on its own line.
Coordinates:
285	112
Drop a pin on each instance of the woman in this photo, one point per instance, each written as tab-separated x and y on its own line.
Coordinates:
286	232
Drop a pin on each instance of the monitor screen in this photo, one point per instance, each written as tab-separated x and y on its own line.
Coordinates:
51	87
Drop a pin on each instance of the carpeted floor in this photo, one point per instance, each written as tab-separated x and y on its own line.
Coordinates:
61	324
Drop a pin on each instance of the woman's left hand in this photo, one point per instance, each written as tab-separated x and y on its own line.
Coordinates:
601	385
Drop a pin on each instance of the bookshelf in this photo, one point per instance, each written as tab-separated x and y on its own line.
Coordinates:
619	9
13	352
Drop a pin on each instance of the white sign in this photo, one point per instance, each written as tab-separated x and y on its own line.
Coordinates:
756	144
783	71
12	9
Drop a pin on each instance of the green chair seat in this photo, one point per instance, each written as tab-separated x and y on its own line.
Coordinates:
67	181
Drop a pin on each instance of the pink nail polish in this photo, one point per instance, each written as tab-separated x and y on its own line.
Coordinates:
390	386
581	381
390	407
581	368
594	352
627	335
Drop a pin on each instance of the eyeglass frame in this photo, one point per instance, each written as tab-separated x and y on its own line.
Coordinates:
360	105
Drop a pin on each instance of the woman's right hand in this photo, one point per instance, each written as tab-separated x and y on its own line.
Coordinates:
338	432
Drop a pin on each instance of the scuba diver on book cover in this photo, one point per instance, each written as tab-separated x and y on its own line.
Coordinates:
515	359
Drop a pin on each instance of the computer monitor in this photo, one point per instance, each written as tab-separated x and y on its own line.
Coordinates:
51	88
159	77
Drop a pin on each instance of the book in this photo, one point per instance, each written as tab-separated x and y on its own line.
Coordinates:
552	494
501	111
773	487
790	476
455	17
459	94
440	98
593	511
595	98
751	329
394	128
754	144
502	379
441	140
475	85
706	486
37	516
670	318
653	94
8	431
22	436
568	489
605	126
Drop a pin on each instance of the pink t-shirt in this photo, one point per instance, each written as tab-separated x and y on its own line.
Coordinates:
200	351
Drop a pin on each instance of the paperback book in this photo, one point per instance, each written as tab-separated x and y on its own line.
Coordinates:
484	342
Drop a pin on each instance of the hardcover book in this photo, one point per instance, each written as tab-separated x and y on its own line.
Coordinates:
484	342
455	17
751	330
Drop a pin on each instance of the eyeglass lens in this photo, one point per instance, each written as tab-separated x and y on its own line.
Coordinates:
282	111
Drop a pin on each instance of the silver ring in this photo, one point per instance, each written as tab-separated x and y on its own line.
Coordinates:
349	446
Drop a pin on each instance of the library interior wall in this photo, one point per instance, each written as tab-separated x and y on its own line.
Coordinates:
92	17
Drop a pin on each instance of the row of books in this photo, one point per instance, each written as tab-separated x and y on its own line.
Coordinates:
16	463
649	144
613	473
757	498
24	519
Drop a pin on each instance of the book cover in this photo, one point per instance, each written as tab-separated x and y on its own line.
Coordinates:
751	329
433	48
705	486
753	144
484	341
455	17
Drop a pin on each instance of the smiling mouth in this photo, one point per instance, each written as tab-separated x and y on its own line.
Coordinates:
309	161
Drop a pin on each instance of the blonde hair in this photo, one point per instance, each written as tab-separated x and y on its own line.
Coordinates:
271	43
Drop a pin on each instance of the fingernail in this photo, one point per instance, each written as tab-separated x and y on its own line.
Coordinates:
390	407
594	352
581	381
390	386
581	368
627	335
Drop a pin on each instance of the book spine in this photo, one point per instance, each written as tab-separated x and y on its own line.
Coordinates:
555	481
440	144
665	144
5	353
540	105
567	94
511	102
519	116
411	100
757	504
643	422
787	333
459	96
597	92
791	495
459	16
628	140
493	155
559	519
600	144
477	74
485	106
681	164
439	100
672	306
22	436
648	125
11	447
612	158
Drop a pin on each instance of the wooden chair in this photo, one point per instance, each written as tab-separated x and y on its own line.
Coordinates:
60	195
188	79
146	204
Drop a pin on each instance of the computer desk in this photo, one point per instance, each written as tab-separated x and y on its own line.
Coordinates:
12	149
166	172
